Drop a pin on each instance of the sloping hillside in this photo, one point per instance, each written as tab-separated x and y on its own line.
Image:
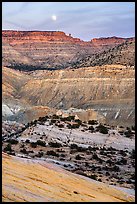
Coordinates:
11	57
123	54
25	180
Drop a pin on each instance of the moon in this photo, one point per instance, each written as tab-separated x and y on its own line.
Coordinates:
54	18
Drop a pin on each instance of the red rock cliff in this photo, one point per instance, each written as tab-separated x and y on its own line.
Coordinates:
51	48
45	36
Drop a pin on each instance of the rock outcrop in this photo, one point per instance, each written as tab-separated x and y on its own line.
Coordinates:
49	183
109	41
49	49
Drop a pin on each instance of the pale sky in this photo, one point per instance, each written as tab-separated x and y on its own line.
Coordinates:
85	20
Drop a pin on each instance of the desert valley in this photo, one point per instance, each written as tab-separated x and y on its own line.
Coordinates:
68	118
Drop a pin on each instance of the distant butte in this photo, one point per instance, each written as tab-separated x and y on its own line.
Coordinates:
59	35
50	49
39	35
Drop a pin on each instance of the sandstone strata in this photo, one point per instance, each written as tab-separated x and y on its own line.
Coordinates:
21	184
50	49
107	89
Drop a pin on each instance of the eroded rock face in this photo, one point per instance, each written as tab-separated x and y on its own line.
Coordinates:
108	90
14	37
109	41
103	88
49	49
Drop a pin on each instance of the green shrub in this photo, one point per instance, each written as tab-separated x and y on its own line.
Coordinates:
24	151
123	161
31	151
27	141
115	168
78	157
62	155
133	154
128	133
8	148
92	122
55	144
69	118
102	129
41	143
69	126
40	154
123	153
128	128
53	120
35	122
121	132
133	127
22	145
33	144
91	128
60	125
43	119
63	119
93	176
83	125
99	180
52	153
73	126
82	149
55	116
95	156
74	146
92	148
78	121
12	141
11	153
